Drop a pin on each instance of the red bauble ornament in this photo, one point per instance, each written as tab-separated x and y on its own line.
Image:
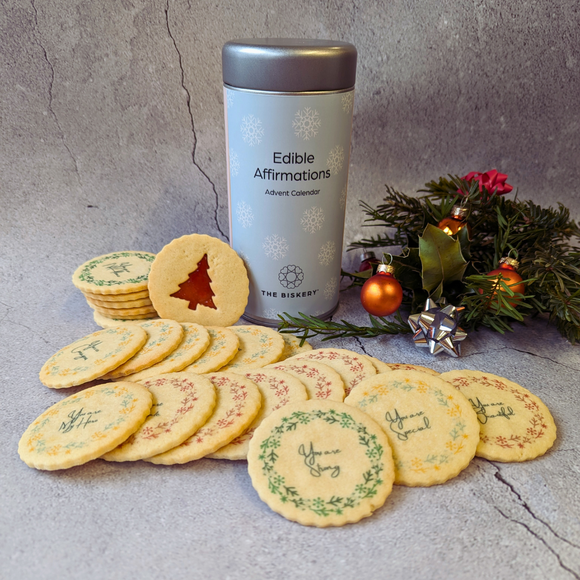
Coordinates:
381	294
367	261
456	221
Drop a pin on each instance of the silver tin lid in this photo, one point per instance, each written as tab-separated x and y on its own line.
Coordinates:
289	64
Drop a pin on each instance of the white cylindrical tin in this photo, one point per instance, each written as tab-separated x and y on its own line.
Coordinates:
288	113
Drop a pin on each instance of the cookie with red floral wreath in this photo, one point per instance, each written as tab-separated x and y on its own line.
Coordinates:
515	425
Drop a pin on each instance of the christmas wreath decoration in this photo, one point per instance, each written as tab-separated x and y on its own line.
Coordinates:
465	243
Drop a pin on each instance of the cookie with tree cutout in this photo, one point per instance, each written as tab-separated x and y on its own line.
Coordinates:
515	425
200	279
321	463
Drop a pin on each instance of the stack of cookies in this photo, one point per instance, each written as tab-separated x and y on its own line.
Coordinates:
116	287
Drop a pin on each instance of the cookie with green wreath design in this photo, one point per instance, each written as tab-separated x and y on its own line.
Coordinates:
321	463
84	426
431	427
115	273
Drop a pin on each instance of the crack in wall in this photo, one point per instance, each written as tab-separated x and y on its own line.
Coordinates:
192	123
498	475
550	549
50	89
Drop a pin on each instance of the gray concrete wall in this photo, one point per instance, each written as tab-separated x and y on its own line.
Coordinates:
112	110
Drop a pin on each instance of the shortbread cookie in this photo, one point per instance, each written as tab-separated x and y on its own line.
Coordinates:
106	322
164	336
125	312
182	403
383	367
432	428
321	463
238	403
112	298
120	304
195	342
351	366
515	424
198	278
85	426
116	273
292	345
320	380
258	346
277	389
223	347
92	356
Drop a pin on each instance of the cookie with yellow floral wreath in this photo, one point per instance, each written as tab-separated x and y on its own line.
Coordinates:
92	356
84	426
515	424
384	367
192	346
163	337
431	427
222	348
258	346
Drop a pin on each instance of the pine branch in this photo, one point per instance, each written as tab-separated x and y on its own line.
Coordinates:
310	326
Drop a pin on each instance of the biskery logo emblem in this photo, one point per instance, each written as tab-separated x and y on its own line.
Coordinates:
291	276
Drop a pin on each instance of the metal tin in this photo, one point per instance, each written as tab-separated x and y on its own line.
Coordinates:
288	110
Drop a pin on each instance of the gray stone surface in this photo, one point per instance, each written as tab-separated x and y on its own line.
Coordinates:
111	136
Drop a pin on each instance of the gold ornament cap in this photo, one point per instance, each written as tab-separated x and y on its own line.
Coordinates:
509	262
385	268
459	212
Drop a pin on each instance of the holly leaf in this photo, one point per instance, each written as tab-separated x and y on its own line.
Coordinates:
441	260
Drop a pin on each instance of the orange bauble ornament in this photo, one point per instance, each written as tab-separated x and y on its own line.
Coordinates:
381	294
456	221
507	269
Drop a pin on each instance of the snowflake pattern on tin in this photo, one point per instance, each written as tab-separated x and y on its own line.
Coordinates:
272	313
342	200
275	247
229	99
234	162
335	159
331	288
306	123
252	130
327	253
312	219
348	101
244	214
